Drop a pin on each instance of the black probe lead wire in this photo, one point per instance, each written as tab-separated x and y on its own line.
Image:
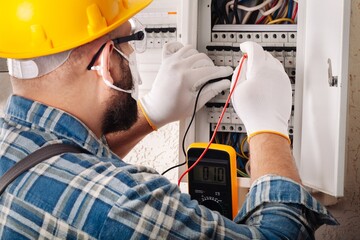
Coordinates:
191	121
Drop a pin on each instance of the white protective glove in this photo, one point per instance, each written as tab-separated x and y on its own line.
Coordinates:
182	72
263	95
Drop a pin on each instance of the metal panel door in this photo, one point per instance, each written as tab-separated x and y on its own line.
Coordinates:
321	93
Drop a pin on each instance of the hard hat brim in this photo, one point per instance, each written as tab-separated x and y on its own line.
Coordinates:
23	45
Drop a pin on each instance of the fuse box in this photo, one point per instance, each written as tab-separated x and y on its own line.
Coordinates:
289	33
160	20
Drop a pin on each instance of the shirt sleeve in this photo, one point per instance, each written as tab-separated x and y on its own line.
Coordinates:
275	208
280	207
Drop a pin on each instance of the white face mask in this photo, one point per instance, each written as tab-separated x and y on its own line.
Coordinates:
134	73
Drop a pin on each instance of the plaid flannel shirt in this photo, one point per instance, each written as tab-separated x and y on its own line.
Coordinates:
98	196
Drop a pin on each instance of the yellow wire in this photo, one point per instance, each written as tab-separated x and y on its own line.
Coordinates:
281	20
286	10
247	168
242	147
241	173
241	153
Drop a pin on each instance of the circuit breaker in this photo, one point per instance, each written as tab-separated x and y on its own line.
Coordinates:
160	20
292	32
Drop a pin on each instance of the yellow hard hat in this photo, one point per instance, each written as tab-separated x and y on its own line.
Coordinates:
34	28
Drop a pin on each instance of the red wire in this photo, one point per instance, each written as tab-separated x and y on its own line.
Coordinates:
295	11
218	123
260	20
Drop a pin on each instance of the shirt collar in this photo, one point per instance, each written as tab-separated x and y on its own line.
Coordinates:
48	119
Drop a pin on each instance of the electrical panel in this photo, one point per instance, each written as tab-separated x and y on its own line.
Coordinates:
160	21
281	27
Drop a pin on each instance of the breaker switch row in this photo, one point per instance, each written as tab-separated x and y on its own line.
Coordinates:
157	36
264	38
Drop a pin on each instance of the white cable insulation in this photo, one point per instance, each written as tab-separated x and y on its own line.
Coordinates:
272	10
230	5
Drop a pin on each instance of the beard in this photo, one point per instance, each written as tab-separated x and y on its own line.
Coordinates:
122	112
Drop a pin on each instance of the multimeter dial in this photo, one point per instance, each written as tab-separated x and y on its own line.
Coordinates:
213	199
213	203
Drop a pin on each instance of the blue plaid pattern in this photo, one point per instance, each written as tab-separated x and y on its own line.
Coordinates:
98	196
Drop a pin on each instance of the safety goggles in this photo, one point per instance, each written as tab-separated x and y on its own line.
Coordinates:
137	39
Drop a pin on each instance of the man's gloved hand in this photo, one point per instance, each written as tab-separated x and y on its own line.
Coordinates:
182	72
262	97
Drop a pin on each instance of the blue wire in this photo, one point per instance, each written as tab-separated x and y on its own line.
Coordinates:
275	14
291	2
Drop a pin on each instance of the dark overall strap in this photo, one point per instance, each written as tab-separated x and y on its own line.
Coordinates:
34	158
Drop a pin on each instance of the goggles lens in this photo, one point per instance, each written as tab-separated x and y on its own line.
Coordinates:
137	39
138	31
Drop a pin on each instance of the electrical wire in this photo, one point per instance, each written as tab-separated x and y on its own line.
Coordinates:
260	12
246	17
239	155
241	173
264	17
290	8
218	124
260	20
236	13
247	168
219	13
283	10
191	121
230	5
295	11
233	139
242	147
275	14
228	140
284	14
273	9
281	20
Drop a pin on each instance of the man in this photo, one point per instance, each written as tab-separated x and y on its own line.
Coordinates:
74	81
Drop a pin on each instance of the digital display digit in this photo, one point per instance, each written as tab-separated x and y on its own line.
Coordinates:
210	174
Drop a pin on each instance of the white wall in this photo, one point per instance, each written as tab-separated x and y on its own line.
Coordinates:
158	150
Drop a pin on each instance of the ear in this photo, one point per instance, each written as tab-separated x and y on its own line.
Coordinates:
103	63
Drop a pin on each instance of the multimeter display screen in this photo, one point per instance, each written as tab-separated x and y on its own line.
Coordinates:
209	174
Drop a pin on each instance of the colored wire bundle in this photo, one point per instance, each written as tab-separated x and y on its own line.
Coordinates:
237	141
254	11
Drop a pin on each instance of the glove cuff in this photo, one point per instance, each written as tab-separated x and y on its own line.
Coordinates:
152	125
269	131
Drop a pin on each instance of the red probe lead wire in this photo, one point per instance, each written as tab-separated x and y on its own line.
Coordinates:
218	123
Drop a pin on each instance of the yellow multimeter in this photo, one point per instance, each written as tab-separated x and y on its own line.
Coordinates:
213	181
